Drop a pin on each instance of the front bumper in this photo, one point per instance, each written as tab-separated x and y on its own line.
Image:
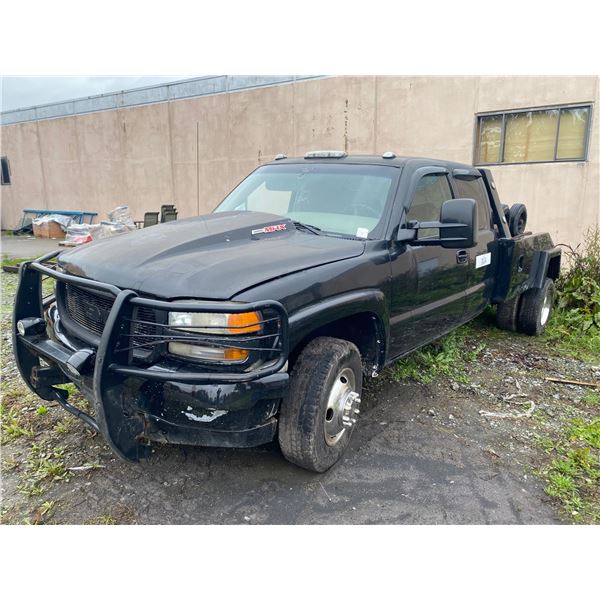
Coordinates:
135	404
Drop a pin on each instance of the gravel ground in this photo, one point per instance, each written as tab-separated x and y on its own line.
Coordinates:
422	453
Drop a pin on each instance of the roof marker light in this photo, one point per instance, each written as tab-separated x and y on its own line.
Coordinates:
326	154
388	154
280	157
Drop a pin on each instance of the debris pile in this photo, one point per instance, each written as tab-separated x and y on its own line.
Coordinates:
119	221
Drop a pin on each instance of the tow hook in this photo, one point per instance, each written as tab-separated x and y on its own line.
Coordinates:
44	377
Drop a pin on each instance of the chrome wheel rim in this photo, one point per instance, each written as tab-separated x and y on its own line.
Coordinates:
546	307
342	406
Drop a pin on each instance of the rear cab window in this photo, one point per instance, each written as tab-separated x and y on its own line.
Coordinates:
473	187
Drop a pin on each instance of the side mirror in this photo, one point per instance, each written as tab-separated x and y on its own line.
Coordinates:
458	226
462	213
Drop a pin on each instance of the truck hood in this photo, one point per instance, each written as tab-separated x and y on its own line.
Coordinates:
213	257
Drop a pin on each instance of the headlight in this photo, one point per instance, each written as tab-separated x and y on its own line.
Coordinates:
216	323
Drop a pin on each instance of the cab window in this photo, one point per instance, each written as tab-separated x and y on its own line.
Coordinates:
431	192
474	188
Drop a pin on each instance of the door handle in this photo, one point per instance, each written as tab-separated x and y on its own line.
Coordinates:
462	257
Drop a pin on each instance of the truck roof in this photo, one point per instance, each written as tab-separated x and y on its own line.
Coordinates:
371	159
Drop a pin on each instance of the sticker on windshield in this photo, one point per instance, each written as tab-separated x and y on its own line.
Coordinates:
362	232
483	259
269	229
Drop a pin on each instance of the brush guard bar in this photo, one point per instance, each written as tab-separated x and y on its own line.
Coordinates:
113	357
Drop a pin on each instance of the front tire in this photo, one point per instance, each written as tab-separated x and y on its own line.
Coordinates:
319	416
535	309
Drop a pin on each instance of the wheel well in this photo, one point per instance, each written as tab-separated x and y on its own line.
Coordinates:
365	330
554	267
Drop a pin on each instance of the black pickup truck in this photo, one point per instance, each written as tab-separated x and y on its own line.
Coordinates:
261	319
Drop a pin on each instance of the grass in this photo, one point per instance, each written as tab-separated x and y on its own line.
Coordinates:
575	328
12	428
573	475
33	430
585	432
591	399
13	262
104	520
44	464
9	464
448	356
562	337
43	512
65	424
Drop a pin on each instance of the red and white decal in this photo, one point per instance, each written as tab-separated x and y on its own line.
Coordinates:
269	229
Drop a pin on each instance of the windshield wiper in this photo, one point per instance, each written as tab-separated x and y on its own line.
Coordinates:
312	228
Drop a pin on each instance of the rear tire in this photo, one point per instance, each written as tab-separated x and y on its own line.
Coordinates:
318	418
507	313
536	308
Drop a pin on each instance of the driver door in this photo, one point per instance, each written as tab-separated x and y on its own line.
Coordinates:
440	274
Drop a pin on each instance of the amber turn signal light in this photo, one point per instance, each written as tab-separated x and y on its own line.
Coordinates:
241	323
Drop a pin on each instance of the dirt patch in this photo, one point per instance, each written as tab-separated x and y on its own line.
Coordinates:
469	446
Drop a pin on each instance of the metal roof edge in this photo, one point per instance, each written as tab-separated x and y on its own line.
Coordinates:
165	92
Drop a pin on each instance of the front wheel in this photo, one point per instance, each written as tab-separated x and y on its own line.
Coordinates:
320	414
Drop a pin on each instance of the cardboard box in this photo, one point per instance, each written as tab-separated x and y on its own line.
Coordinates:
49	229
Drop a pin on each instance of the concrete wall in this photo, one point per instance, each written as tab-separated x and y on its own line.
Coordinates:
191	152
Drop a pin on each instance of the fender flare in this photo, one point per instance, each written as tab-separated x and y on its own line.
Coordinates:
308	319
540	267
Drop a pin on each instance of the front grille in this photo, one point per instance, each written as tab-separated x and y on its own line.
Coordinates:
91	309
88	309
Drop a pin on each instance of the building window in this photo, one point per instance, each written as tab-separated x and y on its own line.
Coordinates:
4	171
533	135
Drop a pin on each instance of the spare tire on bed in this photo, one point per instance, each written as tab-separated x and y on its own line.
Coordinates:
517	219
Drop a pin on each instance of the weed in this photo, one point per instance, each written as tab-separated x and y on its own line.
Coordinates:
46	507
69	387
575	327
42	513
11	425
43	463
573	476
41	410
444	357
579	286
65	424
547	444
104	520
587	433
13	262
31	489
591	399
9	464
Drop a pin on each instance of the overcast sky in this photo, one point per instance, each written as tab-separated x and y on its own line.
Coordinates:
21	92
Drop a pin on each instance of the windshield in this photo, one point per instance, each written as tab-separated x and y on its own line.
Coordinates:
347	200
